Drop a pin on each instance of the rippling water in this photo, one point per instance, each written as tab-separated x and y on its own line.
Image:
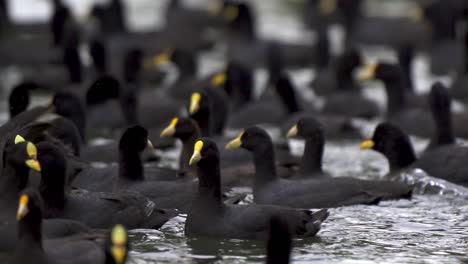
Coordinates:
427	229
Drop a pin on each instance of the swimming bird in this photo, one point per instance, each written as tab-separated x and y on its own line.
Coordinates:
311	165
268	188
31	248
19	155
210	108
98	210
446	162
440	105
236	221
343	95
130	165
234	170
403	108
166	187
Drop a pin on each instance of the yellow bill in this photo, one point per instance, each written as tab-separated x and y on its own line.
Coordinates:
149	144
235	143
196	156
231	13
33	164
162	58
327	7
19	139
416	14
22	207
194	103
292	132
219	79
119	241
170	130
31	150
367	144
368	73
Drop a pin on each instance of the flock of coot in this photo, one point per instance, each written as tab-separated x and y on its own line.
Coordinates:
144	93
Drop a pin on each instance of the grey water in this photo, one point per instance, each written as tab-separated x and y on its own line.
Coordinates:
430	228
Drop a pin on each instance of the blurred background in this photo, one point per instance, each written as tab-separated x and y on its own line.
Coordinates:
59	45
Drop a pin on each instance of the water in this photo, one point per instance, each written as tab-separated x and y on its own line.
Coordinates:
427	229
431	228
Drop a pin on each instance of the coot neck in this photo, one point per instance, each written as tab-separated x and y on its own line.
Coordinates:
444	130
405	64
203	119
396	99
323	49
209	180
130	166
13	180
288	97
311	162
30	234
129	104
264	160
52	187
345	81
401	158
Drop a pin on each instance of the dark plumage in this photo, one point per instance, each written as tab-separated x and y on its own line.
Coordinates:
130	168
187	131
342	93
58	22
268	188
72	107
445	52
231	221
203	110
233	168
99	210
239	84
403	107
18	157
210	108
271	110
30	247
18	100
279	243
311	165
394	144
440	104
250	50
131	176
445	162
26	124
458	89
